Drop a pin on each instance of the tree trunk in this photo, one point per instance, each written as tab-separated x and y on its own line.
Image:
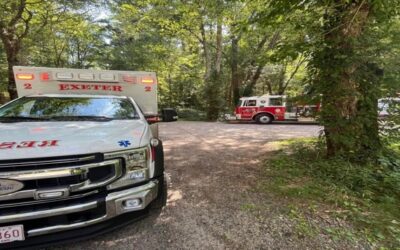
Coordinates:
340	85
281	82
252	78
269	86
11	33
218	58
234	70
169	81
12	49
12	88
11	46
213	85
294	72
248	90
206	51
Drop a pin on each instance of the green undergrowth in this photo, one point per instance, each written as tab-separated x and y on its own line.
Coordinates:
365	195
186	114
395	146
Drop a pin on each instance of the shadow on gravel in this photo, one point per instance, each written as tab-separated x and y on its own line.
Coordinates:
276	123
213	169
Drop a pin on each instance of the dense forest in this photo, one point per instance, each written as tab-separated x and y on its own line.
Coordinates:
208	54
344	54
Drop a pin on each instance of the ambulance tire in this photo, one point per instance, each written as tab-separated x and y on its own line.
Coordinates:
264	118
161	200
159	163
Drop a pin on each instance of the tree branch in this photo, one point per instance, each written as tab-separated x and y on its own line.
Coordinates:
18	15
26	22
302	59
271	45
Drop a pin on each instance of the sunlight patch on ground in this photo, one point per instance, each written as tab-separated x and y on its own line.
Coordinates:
173	197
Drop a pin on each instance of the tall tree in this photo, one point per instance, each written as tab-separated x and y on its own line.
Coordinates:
347	82
15	21
19	19
345	69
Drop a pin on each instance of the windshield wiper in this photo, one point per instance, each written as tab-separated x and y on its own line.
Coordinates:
82	117
21	118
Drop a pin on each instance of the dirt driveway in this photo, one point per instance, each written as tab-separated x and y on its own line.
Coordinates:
214	168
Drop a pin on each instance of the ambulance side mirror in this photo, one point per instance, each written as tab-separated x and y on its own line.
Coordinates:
169	115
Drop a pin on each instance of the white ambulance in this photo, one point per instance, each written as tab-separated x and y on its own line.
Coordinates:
78	156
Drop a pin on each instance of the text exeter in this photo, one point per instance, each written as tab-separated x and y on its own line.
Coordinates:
28	144
84	86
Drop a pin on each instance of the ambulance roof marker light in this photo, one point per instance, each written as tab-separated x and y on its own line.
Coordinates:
107	77
25	76
64	75
44	76
86	76
147	80
129	78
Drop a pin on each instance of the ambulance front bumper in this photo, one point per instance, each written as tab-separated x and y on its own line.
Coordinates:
115	203
113	210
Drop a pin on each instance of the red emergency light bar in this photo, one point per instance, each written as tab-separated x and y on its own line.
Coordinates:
44	76
25	76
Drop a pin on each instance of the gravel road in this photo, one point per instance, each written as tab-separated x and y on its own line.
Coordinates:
214	168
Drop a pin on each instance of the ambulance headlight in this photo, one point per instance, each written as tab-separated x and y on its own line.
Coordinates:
136	167
136	158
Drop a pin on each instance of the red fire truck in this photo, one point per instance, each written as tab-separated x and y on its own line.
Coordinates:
268	108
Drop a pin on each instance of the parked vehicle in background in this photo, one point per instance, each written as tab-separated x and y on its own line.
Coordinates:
268	108
79	154
385	104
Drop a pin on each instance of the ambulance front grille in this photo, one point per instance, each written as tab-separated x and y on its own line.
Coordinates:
48	162
61	178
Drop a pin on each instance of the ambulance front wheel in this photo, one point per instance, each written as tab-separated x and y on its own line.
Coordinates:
161	200
264	119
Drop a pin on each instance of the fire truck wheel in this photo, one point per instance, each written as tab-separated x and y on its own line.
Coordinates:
264	118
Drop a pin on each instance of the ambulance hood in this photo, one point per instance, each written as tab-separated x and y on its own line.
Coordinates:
24	140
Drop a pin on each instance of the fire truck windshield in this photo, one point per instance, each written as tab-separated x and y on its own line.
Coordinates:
277	101
68	108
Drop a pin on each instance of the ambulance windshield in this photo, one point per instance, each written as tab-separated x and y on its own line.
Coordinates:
68	108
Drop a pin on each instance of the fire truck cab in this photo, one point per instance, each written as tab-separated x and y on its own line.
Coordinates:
262	109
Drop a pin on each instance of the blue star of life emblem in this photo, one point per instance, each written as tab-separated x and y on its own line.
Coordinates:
124	144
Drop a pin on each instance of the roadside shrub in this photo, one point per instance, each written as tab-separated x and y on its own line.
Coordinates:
369	193
382	178
191	114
